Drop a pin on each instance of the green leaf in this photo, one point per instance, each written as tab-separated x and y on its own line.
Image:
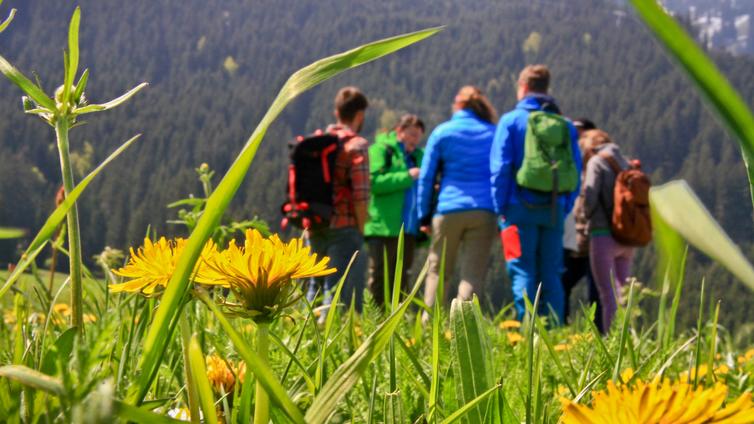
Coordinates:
112	103
33	378
81	85
201	382
24	84
682	211
72	64
350	371
255	363
720	95
7	22
57	217
470	356
11	233
130	413
460	413
217	203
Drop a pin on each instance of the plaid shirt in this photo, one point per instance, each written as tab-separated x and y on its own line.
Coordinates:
351	179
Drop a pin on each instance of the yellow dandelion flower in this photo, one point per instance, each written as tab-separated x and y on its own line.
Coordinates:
722	369
561	347
260	273
513	337
508	324
563	390
89	318
448	335
691	374
9	317
410	342
358	331
150	268
655	402
241	371
62	309
219	374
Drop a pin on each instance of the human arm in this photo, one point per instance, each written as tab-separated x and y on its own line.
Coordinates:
428	173
384	180
502	164
360	184
592	183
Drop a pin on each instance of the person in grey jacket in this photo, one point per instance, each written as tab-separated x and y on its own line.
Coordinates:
610	260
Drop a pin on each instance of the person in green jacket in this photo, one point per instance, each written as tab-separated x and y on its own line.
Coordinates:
394	161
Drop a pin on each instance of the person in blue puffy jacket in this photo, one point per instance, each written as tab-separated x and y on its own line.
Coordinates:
458	154
532	222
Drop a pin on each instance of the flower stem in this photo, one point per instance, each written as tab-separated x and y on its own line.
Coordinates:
74	238
193	396
261	399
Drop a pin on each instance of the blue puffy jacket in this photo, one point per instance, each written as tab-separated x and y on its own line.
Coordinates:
459	150
507	155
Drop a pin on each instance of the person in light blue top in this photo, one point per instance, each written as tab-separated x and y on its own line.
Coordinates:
458	153
532	221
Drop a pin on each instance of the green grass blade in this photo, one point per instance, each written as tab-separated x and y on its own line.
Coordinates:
11	233
72	64
48	229
460	413
33	378
624	333
26	85
200	380
255	363
682	210
698	347
112	103
434	388
348	373
471	365
130	413
721	96
218	202
8	20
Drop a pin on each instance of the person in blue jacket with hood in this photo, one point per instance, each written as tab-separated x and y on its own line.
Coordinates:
463	219
532	220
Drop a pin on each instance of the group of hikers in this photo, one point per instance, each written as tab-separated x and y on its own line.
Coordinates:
543	183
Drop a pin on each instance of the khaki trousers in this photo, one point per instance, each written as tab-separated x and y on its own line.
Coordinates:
468	237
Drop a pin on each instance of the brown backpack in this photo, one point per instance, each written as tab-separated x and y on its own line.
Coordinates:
631	223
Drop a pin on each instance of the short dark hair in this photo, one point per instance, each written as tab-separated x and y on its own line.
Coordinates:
348	102
584	124
536	78
410	120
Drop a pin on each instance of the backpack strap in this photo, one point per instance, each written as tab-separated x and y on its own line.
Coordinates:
612	162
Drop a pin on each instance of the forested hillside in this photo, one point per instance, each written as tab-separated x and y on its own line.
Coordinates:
214	67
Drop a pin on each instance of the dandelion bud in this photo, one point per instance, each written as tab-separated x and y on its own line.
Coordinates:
204	167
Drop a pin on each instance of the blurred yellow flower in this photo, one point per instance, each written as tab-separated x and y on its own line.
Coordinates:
513	337
219	374
448	335
655	402
508	324
9	317
626	375
150	268
260	273
62	309
562	347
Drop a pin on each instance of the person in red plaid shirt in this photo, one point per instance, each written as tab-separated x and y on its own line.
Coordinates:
345	234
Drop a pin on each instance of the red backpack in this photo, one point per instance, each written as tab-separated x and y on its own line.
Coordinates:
631	223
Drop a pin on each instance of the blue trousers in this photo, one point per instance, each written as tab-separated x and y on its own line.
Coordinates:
533	245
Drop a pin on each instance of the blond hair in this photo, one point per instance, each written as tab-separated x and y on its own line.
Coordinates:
471	97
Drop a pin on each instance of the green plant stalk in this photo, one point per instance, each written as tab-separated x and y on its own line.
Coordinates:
193	396
261	399
74	235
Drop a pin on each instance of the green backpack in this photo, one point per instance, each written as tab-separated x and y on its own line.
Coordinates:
548	157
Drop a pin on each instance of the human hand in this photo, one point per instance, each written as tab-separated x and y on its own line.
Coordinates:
425	229
414	172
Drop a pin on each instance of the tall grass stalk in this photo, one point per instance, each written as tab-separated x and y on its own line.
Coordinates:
261	398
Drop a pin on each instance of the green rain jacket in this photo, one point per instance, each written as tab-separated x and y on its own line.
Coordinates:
389	181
